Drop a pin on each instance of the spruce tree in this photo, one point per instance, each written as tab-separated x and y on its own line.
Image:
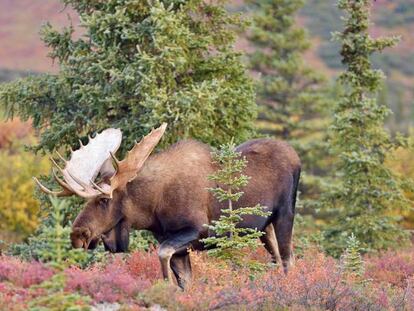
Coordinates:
352	261
227	239
292	97
368	190
138	64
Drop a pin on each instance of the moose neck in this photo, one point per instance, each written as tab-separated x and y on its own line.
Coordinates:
161	188
142	195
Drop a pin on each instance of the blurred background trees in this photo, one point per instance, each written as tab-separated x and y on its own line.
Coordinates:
19	209
368	190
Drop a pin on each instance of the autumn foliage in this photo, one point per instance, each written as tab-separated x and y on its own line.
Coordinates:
133	281
19	209
13	130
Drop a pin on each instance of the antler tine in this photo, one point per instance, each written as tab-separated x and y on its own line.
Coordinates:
78	181
99	180
63	193
60	156
55	164
128	168
80	142
99	188
61	182
88	191
116	161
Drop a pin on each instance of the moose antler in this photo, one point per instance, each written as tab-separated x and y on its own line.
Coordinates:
84	166
127	169
87	162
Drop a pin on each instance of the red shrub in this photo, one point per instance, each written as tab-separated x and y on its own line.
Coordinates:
393	267
22	273
144	265
13	298
316	282
111	283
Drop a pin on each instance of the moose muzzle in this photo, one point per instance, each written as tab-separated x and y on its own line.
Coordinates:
82	237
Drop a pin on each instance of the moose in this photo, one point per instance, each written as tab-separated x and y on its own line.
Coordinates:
167	194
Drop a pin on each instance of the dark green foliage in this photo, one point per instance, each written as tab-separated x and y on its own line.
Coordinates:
142	240
140	64
286	90
227	238
368	191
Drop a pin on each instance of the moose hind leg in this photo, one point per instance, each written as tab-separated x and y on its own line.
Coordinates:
270	243
175	244
284	231
181	266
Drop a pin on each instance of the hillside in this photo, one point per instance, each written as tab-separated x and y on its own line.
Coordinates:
20	22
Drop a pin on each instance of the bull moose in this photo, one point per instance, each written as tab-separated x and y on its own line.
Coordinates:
166	193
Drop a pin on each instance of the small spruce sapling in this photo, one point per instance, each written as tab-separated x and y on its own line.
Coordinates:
227	238
57	252
51	243
352	261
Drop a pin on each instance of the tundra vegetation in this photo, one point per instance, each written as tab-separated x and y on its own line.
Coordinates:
139	64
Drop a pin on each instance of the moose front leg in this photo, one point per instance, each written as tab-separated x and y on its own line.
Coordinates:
178	244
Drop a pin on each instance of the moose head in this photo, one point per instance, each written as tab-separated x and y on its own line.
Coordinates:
95	174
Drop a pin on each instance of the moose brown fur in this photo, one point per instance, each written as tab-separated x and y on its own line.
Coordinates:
169	197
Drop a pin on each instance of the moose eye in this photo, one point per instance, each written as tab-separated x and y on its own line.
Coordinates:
103	202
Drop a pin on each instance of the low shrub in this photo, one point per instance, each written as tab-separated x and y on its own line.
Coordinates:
315	282
393	267
21	273
111	283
